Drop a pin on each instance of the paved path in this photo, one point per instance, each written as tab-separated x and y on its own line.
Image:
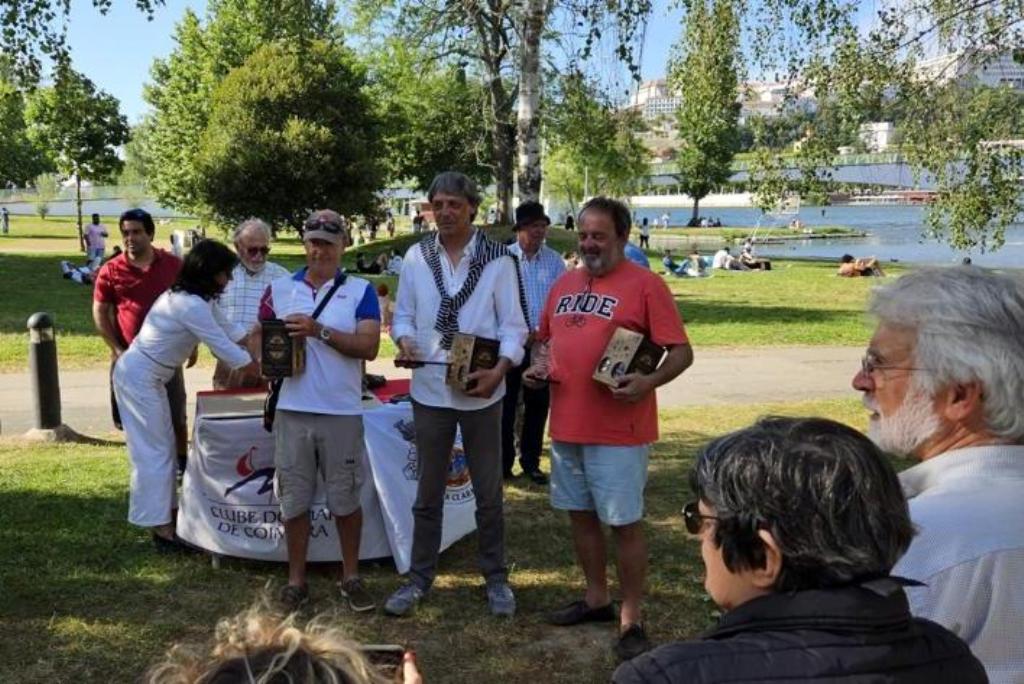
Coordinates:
718	376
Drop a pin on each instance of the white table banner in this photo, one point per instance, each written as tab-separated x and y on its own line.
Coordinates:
228	504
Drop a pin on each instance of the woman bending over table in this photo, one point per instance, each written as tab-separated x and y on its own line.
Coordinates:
180	318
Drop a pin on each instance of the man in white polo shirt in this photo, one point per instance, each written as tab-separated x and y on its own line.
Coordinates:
457	281
319	424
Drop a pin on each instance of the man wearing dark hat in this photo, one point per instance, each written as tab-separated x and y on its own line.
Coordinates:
539	266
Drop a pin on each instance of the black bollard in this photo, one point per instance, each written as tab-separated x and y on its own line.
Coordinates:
42	364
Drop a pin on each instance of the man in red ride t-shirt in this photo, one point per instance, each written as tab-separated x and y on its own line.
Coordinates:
125	289
600	436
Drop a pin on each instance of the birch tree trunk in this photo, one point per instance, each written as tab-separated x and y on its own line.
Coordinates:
528	129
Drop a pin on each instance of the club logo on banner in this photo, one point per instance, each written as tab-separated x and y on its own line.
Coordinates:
459	487
253	469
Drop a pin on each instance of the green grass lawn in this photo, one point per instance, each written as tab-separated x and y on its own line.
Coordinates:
798	302
86	599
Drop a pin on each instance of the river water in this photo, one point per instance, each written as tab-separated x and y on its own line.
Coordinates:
894	234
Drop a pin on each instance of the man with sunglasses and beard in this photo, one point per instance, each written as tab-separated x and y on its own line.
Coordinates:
943	378
600	436
240	302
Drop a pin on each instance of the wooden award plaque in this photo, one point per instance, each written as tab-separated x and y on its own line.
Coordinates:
283	356
469	353
627	352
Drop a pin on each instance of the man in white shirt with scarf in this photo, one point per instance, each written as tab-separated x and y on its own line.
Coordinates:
457	280
943	378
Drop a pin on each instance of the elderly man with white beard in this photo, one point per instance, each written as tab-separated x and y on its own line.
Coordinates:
943	378
240	302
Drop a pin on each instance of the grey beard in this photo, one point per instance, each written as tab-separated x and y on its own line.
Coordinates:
593	262
907	428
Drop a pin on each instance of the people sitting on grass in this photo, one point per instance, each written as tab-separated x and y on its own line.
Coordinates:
800	521
850	267
377	266
727	262
748	259
394	263
260	646
367	267
83	275
695	265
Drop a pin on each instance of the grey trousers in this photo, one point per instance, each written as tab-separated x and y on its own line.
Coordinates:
481	441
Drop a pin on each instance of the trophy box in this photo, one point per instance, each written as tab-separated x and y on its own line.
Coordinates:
469	353
627	352
283	356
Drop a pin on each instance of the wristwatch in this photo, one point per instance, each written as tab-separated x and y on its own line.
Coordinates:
324	334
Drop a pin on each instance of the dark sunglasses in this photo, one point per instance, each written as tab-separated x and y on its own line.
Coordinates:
324	224
694	519
253	251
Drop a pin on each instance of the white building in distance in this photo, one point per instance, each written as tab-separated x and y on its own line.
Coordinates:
988	69
654	100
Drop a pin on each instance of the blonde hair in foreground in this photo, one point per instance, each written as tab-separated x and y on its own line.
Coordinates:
260	647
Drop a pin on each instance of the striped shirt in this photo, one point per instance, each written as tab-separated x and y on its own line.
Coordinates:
539	274
241	299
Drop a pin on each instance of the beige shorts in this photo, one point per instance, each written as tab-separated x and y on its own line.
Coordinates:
308	446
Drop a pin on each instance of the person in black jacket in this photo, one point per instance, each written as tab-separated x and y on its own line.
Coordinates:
800	522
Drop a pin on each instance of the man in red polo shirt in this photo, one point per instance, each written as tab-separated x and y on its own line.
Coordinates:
600	436
125	289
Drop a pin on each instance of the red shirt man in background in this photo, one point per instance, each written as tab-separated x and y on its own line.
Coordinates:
125	289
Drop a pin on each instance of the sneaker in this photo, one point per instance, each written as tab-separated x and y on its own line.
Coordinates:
538	478
578	612
632	642
501	600
292	597
359	600
404	601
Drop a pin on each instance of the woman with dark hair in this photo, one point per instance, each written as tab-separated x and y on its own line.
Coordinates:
179	319
800	522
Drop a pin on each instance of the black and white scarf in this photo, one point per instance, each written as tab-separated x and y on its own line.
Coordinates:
486	251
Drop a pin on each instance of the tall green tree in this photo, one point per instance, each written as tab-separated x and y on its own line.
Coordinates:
81	127
594	147
20	159
138	157
434	116
705	74
291	130
182	86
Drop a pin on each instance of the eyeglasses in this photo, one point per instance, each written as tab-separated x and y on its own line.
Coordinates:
694	519
254	251
869	364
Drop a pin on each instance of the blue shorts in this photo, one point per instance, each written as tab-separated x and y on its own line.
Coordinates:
608	480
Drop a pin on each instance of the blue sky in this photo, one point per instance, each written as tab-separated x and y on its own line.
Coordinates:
117	50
